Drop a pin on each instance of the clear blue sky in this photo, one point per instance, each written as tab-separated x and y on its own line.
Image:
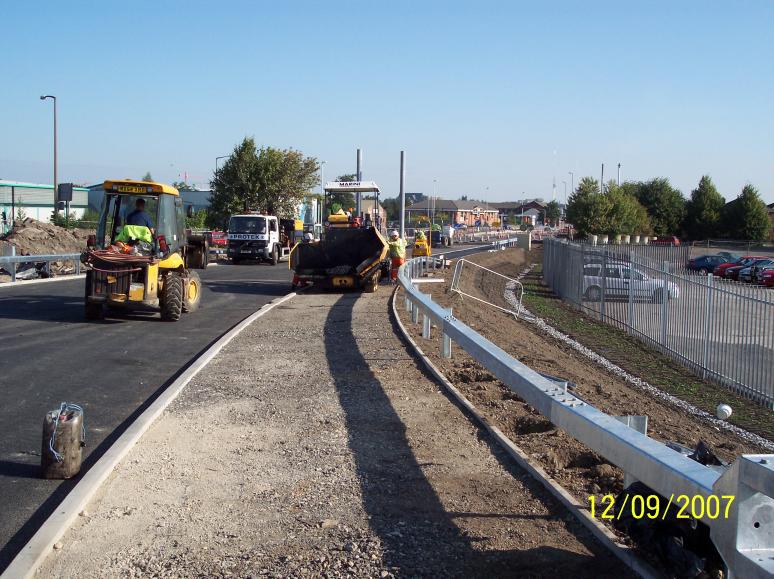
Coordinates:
497	95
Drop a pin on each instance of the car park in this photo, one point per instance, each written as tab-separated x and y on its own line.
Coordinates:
720	270
704	264
620	279
735	271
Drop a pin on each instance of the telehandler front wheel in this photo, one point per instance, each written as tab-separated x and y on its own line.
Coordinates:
172	298
193	292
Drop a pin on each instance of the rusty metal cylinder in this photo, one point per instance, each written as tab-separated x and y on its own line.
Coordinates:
63	441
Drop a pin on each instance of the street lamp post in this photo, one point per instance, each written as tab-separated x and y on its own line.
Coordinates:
52	97
572	181
619	174
218	159
322	191
565	194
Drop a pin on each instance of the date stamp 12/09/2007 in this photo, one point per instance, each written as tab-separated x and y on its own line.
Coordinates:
656	507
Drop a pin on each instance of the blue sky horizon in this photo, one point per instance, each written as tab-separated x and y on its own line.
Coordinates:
490	99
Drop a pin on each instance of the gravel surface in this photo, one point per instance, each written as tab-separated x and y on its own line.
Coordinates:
314	446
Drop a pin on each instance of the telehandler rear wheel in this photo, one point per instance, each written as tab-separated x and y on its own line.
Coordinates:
274	255
94	311
193	292
372	284
172	299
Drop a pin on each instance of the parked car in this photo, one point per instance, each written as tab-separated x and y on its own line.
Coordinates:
734	272
767	277
720	270
666	240
704	263
757	270
620	279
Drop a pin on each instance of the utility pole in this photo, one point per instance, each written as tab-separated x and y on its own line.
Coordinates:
402	195
572	181
359	176
602	180
619	174
56	204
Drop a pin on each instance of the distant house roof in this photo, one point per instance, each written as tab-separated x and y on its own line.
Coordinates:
449	205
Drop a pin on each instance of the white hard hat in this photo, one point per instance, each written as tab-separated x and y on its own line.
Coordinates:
394	233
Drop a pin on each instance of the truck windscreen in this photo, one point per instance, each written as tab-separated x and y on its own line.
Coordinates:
247	225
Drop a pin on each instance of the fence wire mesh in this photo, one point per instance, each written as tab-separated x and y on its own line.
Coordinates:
723	330
488	286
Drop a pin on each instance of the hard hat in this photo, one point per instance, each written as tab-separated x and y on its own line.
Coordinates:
394	233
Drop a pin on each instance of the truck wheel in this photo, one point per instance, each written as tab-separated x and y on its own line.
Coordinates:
274	255
371	284
235	260
193	292
658	296
172	302
93	311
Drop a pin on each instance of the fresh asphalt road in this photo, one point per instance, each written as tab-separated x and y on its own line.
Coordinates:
113	369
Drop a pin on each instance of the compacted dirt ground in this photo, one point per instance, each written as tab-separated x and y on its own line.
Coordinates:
314	446
578	469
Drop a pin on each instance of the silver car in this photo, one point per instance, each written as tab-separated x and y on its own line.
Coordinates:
620	279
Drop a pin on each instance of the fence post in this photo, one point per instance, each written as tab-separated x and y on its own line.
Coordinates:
664	302
707	319
630	309
13	265
604	286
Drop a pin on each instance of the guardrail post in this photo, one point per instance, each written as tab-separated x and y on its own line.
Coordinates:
604	286
446	349
425	326
77	267
415	313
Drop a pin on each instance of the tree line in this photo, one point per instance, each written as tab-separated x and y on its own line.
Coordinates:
656	208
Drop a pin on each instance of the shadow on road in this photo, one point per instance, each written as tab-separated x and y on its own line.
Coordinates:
43	308
255	287
419	536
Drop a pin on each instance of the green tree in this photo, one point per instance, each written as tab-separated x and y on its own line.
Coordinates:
665	204
746	217
553	212
147	177
587	208
703	211
266	179
182	186
198	220
626	215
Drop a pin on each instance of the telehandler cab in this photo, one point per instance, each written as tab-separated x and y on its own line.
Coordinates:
142	255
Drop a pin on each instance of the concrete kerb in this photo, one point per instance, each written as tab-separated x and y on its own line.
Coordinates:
12	284
53	529
599	530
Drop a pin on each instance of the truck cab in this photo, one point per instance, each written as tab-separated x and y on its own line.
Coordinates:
260	237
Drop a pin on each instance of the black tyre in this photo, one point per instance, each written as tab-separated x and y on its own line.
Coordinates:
274	255
235	260
658	296
703	271
371	284
193	292
172	301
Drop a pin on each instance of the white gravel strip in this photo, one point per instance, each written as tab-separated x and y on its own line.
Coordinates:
527	316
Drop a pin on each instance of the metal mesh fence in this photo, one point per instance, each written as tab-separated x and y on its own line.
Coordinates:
723	330
471	280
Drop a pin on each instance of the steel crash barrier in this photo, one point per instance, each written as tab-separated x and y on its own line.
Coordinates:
743	536
10	262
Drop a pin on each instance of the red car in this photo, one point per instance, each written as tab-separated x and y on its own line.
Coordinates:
666	240
767	277
720	270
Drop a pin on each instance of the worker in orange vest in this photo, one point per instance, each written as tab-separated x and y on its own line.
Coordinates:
397	254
